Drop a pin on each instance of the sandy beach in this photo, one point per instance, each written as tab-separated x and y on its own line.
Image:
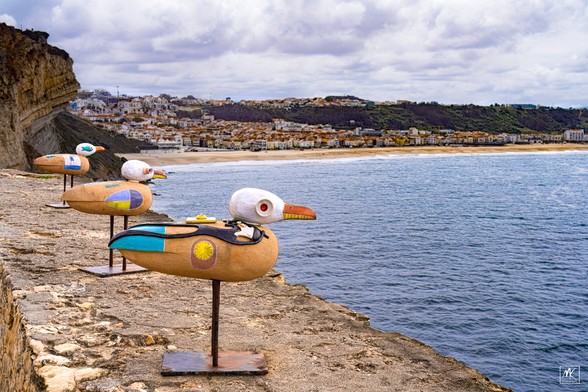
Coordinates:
234	156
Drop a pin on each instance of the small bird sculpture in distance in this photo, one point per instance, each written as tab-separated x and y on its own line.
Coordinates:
72	164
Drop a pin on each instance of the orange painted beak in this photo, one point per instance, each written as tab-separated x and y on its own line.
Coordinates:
292	211
99	148
159	174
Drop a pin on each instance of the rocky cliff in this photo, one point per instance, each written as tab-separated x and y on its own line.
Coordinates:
36	83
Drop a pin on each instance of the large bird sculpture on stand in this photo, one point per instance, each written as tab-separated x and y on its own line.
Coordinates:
72	164
231	251
116	198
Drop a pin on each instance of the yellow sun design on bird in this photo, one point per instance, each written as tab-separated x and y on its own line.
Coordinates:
203	250
203	255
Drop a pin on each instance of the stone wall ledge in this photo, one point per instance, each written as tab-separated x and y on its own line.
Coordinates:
66	330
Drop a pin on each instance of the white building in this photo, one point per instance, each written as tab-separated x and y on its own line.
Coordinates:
574	135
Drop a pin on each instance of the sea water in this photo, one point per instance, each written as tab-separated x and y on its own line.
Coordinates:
482	256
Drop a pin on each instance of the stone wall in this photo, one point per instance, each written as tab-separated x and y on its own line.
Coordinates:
16	372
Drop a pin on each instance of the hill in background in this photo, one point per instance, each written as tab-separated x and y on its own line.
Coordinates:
425	116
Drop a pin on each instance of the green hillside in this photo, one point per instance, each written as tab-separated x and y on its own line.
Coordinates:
425	116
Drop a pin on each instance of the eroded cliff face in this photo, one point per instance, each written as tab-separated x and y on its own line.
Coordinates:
36	83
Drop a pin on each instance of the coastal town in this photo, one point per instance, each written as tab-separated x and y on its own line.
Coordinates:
166	124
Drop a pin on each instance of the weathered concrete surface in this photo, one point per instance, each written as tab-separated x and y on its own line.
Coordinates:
109	334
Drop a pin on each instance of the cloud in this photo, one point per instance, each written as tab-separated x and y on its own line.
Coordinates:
449	51
8	19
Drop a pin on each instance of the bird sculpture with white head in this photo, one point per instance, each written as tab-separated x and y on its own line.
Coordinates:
120	198
260	207
232	251
115	198
72	164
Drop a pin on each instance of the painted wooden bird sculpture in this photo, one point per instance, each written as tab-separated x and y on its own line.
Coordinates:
119	198
72	164
232	251
115	198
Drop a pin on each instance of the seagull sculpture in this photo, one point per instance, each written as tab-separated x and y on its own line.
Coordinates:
72	164
115	198
232	251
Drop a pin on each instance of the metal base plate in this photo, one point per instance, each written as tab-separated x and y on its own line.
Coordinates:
58	205
229	362
104	271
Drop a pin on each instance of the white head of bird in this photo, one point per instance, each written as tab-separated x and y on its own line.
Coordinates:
87	149
134	170
259	207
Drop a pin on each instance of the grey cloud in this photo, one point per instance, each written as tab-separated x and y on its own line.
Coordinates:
483	51
317	45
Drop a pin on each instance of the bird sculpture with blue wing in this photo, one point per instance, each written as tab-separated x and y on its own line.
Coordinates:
231	251
119	198
73	164
115	198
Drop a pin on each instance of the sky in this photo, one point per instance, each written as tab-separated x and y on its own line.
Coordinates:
447	51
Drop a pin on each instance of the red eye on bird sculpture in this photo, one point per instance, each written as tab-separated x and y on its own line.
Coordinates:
264	207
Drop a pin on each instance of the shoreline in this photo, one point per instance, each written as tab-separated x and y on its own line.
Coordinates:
216	156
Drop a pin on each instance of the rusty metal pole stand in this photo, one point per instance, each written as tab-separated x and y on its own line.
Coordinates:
228	362
112	269
215	321
63	204
111	251
125	226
